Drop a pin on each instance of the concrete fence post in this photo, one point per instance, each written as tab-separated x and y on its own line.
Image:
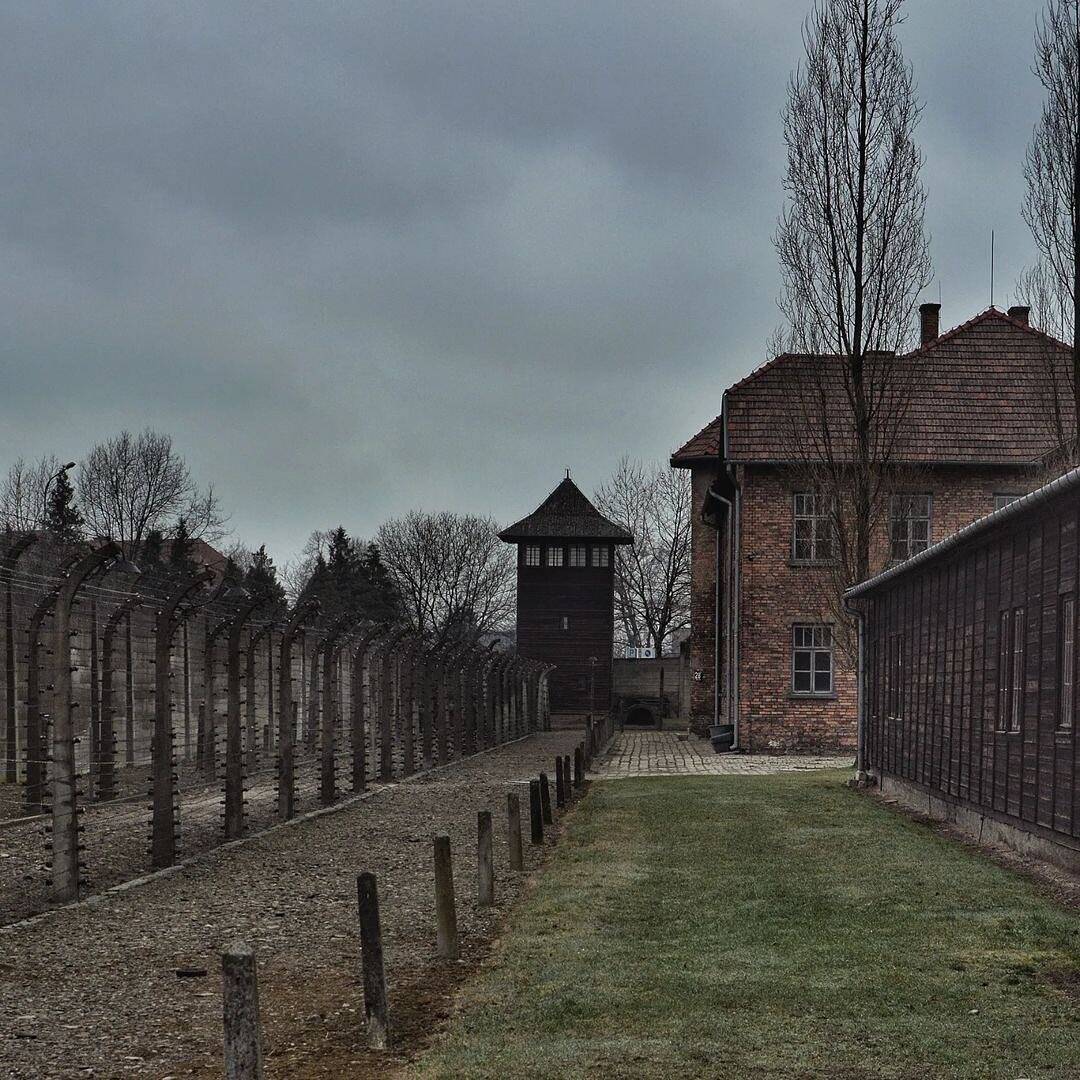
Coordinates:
11	705
560	787
240	999
513	820
446	939
579	770
485	860
288	710
371	956
65	827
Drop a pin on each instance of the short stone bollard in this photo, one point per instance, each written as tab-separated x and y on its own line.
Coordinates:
485	860
371	955
513	820
545	799
240	996
446	939
536	815
560	787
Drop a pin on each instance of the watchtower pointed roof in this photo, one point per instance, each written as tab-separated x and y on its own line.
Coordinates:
566	512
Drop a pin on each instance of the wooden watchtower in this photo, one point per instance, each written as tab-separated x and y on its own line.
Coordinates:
566	598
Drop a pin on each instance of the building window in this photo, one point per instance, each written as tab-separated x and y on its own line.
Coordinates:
1067	662
566	622
1016	714
577	555
532	554
554	556
1011	670
909	526
601	556
895	688
811	659
1001	501
1004	621
812	536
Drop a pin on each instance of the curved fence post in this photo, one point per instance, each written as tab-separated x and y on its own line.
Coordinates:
163	781
307	609
65	833
36	748
106	739
234	739
333	643
8	564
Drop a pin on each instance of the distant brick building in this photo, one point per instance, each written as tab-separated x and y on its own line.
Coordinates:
566	598
763	652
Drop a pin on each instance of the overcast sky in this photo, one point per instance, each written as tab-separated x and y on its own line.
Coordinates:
359	257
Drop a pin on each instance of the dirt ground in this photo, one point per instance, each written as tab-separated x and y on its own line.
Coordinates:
116	834
93	991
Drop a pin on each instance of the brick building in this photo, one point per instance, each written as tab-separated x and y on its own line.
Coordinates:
566	598
765	654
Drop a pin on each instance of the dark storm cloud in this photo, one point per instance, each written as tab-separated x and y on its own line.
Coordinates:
360	257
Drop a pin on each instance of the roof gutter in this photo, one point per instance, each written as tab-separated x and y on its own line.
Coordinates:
1067	482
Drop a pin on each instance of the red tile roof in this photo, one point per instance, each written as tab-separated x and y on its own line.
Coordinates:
980	395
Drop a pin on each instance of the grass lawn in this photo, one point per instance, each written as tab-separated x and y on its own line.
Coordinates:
775	926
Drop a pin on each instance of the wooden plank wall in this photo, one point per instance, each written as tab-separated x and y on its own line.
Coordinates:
934	688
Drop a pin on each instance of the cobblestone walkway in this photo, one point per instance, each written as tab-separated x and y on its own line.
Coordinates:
671	753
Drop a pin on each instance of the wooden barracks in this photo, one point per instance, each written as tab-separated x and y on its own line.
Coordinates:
566	598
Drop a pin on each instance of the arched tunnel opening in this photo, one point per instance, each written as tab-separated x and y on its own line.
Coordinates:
640	716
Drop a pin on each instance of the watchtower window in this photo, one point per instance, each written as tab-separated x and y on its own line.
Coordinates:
554	556
566	622
532	554
577	555
601	556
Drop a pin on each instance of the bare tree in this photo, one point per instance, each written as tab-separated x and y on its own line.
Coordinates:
1051	206
22	494
131	484
854	257
652	576
451	570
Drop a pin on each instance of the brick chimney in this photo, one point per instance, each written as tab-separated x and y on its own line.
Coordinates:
1020	313
928	316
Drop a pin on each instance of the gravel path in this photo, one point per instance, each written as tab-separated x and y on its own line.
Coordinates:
116	834
93	991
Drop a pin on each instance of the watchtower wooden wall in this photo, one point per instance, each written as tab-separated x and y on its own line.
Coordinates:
566	617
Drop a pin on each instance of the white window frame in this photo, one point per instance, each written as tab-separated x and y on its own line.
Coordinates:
601	555
820	644
578	555
554	556
531	557
1003	498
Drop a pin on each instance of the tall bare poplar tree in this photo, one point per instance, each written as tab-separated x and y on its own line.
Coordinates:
652	575
1050	208
853	256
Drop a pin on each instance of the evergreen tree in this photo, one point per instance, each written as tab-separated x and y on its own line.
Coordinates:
153	549
261	579
182	553
381	599
62	518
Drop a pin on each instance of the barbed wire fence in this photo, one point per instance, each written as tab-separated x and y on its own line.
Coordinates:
148	718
